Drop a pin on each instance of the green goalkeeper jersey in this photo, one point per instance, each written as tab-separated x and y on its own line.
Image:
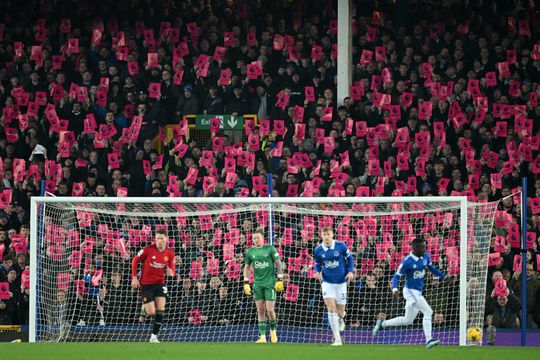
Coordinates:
263	259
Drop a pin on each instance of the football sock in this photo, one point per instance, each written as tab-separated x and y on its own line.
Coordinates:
262	328
333	319
426	324
158	319
273	325
397	321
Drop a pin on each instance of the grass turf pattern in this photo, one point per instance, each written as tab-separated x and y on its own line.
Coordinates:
238	351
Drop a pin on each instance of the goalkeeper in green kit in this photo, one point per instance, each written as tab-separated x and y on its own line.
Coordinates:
265	261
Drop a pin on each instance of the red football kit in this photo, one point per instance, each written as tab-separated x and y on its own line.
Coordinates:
155	263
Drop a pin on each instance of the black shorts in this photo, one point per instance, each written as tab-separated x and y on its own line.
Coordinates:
150	292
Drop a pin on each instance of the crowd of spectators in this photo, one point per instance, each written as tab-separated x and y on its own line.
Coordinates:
444	101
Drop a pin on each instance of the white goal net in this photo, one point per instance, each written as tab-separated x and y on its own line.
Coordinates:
82	250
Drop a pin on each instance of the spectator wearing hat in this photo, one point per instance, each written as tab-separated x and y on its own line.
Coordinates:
187	104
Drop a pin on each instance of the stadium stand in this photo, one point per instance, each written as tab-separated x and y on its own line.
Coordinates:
444	101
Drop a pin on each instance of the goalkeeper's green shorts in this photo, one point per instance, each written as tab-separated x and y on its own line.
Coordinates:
267	293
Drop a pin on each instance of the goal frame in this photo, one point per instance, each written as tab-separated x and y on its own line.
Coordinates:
462	200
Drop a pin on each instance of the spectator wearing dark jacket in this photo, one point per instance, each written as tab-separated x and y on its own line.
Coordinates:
187	103
213	102
237	104
533	285
225	308
444	59
260	102
170	93
505	311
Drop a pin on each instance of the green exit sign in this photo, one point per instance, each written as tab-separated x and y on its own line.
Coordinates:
227	122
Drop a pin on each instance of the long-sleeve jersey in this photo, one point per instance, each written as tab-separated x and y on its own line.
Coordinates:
93	290
154	265
414	269
334	262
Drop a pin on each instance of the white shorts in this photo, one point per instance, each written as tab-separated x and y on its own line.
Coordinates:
415	303
335	291
412	296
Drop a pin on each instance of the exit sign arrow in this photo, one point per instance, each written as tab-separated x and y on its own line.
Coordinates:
232	122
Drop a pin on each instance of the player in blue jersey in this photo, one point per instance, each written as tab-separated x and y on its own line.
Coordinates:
334	266
414	268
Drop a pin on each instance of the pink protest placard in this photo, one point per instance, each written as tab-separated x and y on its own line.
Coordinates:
75	259
196	270
152	59
500	288
154	90
292	292
309	93
4	291
494	259
228	252
212	266
63	281
517	263
500	244
114	161
233	270
367	266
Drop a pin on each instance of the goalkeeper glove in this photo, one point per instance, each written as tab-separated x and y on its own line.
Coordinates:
247	288
279	284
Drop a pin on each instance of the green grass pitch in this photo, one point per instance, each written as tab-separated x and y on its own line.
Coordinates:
193	351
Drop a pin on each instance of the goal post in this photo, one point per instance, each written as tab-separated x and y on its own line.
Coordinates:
463	270
210	237
32	311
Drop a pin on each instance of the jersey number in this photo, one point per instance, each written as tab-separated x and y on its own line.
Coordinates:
165	290
419	274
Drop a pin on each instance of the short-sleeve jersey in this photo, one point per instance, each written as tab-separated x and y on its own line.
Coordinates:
334	262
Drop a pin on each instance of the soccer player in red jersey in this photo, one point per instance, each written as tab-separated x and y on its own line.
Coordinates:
157	260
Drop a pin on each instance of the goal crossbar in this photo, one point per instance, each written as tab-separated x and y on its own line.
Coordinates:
258	200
